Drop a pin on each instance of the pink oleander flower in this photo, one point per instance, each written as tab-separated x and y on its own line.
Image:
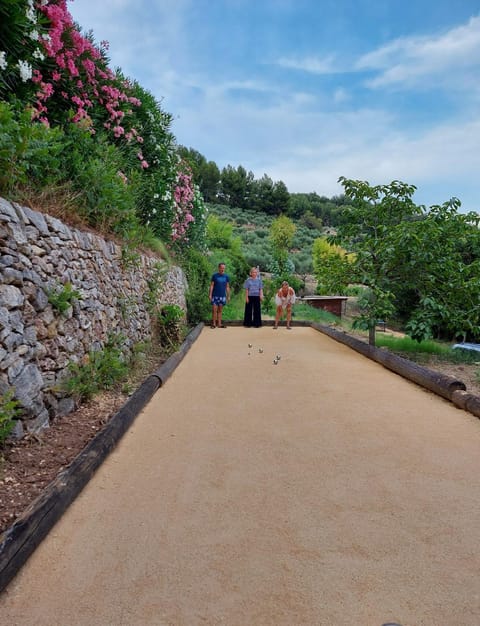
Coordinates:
81	66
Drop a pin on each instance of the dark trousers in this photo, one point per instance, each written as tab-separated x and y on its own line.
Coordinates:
253	314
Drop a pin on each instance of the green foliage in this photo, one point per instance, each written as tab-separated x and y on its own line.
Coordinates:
302	262
102	369
373	300
371	230
155	284
426	350
332	267
62	296
198	271
236	266
219	233
270	287
411	346
206	174
109	148
14	25
9	412
130	257
126	306
444	281
235	308
29	153
309	313
105	200
170	319
317	211
282	232
236	186
253	228
259	255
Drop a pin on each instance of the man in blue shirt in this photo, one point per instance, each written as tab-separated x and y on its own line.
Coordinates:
219	295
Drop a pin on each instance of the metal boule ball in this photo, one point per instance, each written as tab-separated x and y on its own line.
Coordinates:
275	362
278	357
260	350
249	345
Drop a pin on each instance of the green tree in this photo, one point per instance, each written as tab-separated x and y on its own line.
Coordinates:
219	233
236	186
205	174
420	264
282	232
371	230
209	181
281	197
262	196
444	280
332	267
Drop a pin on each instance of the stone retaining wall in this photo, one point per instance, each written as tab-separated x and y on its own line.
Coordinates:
40	254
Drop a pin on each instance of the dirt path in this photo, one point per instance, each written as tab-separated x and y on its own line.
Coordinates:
324	490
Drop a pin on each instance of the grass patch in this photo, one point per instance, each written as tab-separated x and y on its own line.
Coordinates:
426	349
301	312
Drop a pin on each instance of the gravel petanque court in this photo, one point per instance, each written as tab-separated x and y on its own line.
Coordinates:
321	490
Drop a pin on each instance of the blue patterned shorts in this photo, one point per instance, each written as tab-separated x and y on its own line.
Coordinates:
219	300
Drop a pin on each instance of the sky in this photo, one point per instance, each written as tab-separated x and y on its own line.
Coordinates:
306	91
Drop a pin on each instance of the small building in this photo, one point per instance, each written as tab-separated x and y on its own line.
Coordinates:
332	304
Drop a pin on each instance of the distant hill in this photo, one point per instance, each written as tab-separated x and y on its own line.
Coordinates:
253	229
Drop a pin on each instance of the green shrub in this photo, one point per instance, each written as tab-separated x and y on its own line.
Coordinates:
198	271
170	319
29	153
102	369
155	284
61	297
9	413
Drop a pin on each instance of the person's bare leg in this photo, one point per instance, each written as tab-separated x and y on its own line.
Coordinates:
277	316
214	315
289	315
219	315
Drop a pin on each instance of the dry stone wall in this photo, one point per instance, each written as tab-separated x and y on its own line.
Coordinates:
40	254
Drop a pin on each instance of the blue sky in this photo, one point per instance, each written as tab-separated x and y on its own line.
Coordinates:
309	90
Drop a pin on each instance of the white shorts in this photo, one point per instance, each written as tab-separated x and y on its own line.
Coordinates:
284	302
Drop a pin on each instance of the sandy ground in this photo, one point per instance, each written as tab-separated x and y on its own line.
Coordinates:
324	490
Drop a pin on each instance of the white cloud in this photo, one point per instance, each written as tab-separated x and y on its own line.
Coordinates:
423	61
314	65
441	163
300	132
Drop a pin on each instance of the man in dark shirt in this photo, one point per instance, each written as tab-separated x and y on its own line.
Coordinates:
219	295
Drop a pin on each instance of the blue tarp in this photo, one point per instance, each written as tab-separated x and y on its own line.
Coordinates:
468	346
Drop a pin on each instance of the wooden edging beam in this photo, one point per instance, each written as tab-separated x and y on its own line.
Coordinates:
19	541
439	383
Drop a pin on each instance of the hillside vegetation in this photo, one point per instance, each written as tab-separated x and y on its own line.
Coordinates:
253	228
